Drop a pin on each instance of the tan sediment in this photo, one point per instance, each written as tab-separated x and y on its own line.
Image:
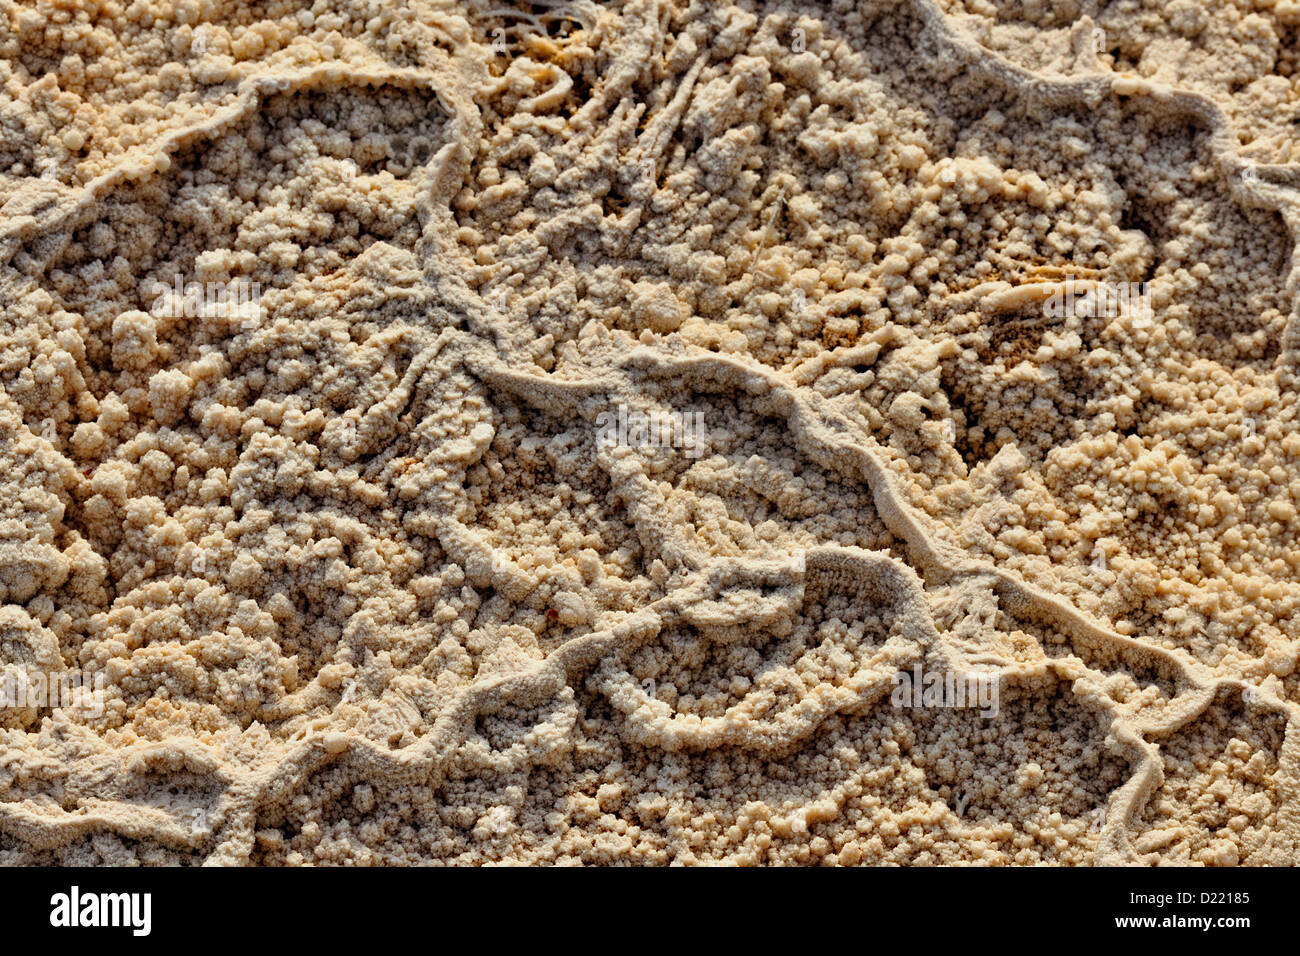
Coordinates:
381	666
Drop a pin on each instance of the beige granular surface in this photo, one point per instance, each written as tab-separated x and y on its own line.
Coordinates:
365	585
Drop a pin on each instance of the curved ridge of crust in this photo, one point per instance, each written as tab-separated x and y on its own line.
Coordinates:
1268	186
72	209
426	761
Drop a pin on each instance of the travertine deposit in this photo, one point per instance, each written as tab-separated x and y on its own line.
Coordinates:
366	580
